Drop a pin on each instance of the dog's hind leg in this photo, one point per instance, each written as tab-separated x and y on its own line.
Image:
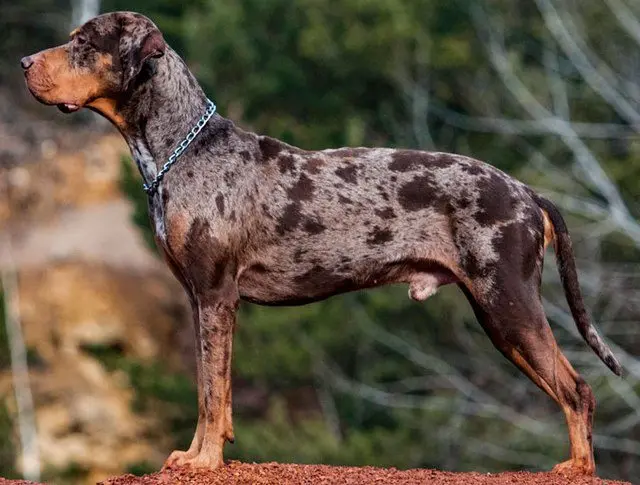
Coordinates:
515	322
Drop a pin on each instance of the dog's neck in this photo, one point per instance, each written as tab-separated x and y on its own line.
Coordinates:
164	106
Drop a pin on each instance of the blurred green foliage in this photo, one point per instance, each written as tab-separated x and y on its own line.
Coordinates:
141	468
71	474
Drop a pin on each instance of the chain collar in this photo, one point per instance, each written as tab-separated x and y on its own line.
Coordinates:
152	187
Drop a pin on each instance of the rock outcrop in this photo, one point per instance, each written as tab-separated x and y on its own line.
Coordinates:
87	284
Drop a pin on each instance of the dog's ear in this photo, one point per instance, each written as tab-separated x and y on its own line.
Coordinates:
138	44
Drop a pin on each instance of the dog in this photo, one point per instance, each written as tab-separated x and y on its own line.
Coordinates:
243	216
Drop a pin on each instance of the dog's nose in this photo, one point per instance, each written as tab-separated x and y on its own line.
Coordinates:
26	62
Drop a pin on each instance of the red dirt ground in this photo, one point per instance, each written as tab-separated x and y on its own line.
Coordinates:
4	481
236	473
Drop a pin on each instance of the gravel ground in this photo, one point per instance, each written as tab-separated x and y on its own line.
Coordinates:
275	473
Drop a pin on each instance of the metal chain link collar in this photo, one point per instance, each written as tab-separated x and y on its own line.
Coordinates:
153	186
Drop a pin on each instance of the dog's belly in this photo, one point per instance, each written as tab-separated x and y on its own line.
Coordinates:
264	287
274	286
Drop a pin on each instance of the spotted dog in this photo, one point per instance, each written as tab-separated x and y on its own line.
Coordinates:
245	216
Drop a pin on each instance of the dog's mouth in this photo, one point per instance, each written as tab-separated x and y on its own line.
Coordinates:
39	91
64	107
68	107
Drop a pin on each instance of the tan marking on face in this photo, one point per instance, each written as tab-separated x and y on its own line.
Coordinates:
105	61
74	31
107	108
54	81
106	105
549	232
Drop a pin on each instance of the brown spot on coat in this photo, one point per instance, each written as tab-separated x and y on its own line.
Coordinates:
220	203
270	147
422	193
313	227
205	259
302	189
401	162
266	211
297	255
313	165
383	193
348	152
495	202
290	219
473	267
286	163
258	268
230	179
473	169
348	174
318	275
379	236
386	213
408	160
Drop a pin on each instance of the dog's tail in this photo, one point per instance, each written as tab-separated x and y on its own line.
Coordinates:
569	277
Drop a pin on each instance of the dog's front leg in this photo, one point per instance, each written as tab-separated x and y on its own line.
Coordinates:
177	457
217	322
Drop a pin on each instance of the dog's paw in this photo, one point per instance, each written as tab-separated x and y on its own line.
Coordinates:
572	469
179	458
205	460
193	459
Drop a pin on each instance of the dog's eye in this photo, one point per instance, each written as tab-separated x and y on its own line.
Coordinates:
81	40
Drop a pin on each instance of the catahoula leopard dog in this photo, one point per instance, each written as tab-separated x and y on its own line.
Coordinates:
243	216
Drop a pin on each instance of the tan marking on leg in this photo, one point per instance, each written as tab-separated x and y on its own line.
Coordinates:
519	329
517	358
217	323
579	421
177	226
228	430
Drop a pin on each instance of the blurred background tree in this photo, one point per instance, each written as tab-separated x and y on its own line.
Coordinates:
7	442
546	90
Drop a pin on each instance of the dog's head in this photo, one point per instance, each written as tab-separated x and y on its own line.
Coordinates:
100	64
